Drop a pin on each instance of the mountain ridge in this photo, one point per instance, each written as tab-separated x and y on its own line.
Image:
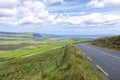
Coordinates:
30	35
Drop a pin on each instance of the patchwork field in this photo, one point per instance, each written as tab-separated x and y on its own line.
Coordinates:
15	45
16	49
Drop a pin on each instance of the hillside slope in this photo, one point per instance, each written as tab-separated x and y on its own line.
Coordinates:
65	63
108	42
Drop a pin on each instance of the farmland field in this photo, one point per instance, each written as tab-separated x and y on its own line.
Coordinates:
10	49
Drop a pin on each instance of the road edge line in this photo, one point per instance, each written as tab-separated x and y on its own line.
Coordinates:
102	70
89	58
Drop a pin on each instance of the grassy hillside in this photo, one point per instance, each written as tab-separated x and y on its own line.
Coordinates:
30	49
21	44
24	56
108	42
10	50
65	63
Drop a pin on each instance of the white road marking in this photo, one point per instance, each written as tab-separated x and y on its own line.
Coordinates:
102	70
109	54
103	52
89	58
116	57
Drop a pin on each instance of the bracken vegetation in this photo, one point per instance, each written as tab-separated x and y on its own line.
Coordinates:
108	42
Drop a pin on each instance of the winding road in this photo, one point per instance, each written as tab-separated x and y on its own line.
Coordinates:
106	61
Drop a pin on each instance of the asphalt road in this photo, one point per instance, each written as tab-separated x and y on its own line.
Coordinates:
106	61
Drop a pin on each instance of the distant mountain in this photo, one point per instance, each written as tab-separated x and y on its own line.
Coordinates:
41	36
84	36
14	35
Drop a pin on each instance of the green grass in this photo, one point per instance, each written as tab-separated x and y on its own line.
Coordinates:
6	47
29	50
21	55
15	49
26	68
72	66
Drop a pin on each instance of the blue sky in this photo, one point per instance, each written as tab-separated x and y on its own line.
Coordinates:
70	17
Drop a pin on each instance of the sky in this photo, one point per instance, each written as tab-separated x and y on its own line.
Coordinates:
61	17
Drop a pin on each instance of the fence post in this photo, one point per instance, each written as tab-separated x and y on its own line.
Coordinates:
42	71
56	62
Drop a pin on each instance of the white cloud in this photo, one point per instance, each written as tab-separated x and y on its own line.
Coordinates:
36	8
90	19
31	12
35	12
8	3
8	12
82	13
53	1
95	3
103	3
8	20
